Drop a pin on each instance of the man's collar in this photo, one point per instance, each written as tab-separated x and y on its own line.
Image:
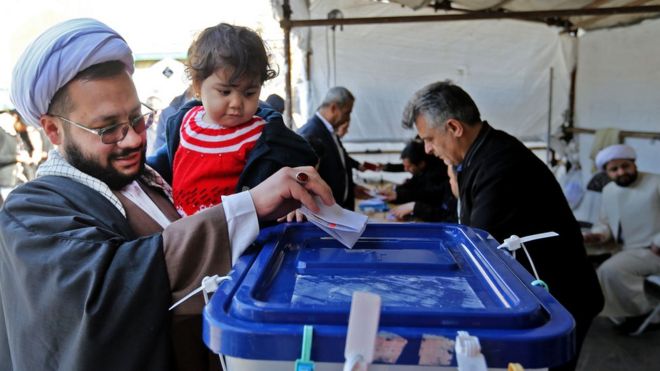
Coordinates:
476	145
57	165
325	122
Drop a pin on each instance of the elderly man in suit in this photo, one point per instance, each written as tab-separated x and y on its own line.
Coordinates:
335	165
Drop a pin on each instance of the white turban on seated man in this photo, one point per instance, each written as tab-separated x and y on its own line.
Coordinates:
614	152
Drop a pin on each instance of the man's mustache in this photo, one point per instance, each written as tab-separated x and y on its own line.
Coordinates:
126	152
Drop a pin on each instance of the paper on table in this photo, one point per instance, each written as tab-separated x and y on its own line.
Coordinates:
344	225
374	194
373	202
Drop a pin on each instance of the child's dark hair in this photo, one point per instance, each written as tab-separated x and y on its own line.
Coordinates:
227	46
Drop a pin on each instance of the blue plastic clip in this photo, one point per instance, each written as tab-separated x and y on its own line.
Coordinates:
304	363
541	283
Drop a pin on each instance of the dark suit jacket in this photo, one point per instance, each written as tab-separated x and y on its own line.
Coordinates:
431	192
505	189
331	168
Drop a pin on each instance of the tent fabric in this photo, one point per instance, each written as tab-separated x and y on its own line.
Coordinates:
505	66
502	64
164	79
617	86
583	22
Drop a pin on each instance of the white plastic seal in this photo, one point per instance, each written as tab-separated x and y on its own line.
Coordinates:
468	353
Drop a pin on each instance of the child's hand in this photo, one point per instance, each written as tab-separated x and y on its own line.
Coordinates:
294	216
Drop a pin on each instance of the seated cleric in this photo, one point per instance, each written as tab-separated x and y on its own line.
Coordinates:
630	216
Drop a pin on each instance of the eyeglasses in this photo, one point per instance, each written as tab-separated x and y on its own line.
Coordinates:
115	133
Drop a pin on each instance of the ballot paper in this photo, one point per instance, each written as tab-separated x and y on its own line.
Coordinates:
374	194
373	205
344	225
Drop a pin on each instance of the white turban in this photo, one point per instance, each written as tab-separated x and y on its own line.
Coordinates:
614	152
56	57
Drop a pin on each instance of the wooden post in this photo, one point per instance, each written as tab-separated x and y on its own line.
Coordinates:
288	96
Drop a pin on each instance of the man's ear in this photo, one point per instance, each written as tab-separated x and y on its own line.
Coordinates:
331	113
455	128
52	127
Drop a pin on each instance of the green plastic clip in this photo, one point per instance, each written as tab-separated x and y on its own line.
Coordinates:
304	363
541	284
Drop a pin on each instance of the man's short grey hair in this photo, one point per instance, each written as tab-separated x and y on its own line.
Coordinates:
338	95
439	102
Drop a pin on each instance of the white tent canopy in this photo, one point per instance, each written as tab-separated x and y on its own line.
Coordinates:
504	64
617	86
164	79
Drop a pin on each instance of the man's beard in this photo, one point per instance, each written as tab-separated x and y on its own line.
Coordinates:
625	180
107	174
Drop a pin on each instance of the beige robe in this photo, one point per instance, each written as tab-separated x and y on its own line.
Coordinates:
194	247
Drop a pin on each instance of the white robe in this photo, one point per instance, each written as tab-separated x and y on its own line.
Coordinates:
637	208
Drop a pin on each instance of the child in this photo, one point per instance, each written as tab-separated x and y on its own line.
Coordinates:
223	141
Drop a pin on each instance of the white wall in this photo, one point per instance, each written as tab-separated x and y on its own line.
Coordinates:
618	85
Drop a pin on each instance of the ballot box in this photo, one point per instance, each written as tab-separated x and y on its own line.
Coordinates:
433	280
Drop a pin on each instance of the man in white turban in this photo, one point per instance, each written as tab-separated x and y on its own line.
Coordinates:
630	215
92	251
614	152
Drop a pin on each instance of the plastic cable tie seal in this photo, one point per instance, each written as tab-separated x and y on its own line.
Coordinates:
304	363
209	284
362	329
355	363
468	353
540	283
514	242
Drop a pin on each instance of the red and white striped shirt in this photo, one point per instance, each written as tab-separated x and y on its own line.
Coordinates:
209	160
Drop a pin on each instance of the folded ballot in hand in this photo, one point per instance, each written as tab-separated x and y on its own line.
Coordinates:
344	225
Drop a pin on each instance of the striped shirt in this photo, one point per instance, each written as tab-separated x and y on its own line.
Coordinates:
209	160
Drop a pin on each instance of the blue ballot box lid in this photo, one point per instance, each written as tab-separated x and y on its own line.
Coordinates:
434	280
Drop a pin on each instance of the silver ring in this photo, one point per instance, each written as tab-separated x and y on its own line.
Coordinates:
302	177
